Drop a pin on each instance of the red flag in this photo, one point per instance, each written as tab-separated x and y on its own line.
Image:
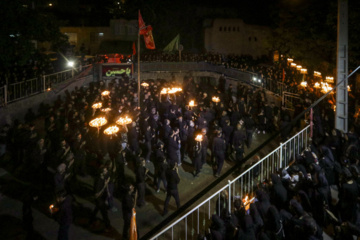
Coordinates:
133	230
141	22
146	31
148	38
133	48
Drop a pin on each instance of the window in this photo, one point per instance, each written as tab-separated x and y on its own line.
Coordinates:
101	34
220	29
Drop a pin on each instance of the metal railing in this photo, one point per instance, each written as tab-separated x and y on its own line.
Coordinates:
289	100
16	91
198	219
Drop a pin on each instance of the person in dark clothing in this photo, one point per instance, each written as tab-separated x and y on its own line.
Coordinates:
161	174
173	147
278	191
238	143
204	146
141	172
133	137
173	179
101	194
128	203
147	142
197	157
249	125
218	151
227	133
64	214
27	217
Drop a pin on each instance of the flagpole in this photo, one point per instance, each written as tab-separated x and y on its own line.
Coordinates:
138	67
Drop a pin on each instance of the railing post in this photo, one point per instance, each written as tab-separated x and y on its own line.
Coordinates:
281	154
229	187
44	87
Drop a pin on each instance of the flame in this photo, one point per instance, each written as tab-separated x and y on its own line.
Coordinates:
124	120
144	84
105	93
97	105
199	138
317	85
106	109
293	64
216	99
192	103
170	90
111	130
98	122
303	84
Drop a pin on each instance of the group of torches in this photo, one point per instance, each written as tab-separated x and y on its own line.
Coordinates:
111	130
101	121
324	86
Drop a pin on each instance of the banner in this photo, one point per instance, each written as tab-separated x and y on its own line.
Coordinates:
173	45
116	70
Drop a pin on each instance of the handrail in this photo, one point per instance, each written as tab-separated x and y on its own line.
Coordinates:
248	171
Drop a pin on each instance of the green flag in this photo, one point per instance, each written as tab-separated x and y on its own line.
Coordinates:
173	45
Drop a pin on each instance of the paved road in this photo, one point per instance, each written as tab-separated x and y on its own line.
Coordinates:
147	216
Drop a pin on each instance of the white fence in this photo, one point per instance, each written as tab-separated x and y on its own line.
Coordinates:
198	219
16	91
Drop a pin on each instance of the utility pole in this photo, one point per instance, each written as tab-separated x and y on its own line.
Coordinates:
341	118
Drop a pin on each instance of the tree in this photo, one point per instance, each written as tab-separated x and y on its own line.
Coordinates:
20	28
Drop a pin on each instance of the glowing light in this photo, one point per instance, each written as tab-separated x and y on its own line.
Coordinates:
71	63
111	130
329	79
303	70
98	122
50	4
199	138
106	109
49	89
144	84
298	67
215	99
192	103
170	90
317	74
124	120
290	60
105	93
348	87
293	64
303	84
317	85
97	105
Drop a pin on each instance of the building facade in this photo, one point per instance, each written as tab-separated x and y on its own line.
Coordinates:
96	39
233	36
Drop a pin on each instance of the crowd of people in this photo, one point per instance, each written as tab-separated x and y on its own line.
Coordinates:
163	132
320	190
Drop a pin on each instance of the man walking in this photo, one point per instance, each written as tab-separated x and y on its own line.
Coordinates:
173	179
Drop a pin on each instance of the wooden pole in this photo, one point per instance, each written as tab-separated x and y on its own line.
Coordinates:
138	53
